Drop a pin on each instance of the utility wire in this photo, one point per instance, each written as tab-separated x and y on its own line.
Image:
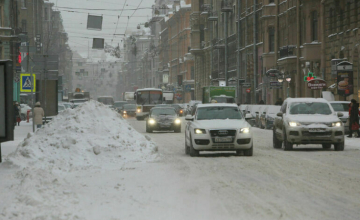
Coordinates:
117	23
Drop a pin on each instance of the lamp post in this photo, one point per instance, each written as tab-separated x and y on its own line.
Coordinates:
288	79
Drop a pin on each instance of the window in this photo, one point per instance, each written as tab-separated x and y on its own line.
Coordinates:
271	1
192	73
314	26
46	14
341	17
271	39
23	3
356	14
348	14
1	14
23	26
332	17
1	52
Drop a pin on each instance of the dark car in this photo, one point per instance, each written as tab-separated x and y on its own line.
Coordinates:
128	110
163	119
179	110
118	105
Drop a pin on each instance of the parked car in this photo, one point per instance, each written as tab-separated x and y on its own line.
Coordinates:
218	127
179	110
342	107
66	104
61	108
308	121
268	116
128	110
163	119
119	104
23	111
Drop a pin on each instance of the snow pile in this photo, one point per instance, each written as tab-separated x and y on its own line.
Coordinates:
90	135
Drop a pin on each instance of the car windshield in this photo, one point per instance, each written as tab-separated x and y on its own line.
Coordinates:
67	105
163	111
224	99
129	107
177	107
149	97
340	107
310	108
119	104
106	100
220	112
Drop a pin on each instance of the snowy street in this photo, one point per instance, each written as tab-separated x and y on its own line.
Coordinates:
111	181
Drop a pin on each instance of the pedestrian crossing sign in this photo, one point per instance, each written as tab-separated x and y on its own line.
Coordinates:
25	82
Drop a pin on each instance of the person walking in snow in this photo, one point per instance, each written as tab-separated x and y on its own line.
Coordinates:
16	113
354	117
38	115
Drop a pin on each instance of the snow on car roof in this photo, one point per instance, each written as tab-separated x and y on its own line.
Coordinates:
306	100
344	102
148	89
216	105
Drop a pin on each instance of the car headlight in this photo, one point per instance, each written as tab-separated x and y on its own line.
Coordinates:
177	121
294	124
139	110
152	121
337	124
245	130
181	111
200	131
125	112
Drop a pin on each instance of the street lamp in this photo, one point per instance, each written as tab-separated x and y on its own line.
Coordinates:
281	78
288	79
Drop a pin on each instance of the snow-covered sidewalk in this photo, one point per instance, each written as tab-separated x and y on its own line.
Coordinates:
50	170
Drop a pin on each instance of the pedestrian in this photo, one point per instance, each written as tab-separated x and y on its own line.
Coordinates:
354	118
261	102
38	115
279	101
16	113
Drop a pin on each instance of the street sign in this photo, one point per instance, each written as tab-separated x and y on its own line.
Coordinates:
246	85
316	84
26	82
275	85
248	90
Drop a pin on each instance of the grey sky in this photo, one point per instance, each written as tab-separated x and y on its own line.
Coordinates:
75	20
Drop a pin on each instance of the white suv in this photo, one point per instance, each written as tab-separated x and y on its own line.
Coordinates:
308	121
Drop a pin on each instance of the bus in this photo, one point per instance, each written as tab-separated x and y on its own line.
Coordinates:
146	99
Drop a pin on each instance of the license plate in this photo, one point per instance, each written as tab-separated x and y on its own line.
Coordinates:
317	129
223	140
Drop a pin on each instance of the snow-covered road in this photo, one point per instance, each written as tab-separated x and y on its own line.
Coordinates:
307	183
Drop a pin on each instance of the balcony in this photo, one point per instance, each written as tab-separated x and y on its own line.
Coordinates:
311	51
226	6
213	16
287	51
269	11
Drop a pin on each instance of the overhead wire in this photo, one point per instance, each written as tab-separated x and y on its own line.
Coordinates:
117	23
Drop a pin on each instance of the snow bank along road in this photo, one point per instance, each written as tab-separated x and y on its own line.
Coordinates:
70	170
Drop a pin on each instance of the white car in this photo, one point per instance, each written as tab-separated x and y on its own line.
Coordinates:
342	107
308	121
218	127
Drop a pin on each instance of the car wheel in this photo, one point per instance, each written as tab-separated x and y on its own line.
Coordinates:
193	152
248	152
340	146
177	129
326	146
287	145
276	143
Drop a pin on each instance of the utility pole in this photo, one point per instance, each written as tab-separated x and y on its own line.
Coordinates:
226	46
255	54
32	82
238	92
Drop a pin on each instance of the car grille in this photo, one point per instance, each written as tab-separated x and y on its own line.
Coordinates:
316	134
222	133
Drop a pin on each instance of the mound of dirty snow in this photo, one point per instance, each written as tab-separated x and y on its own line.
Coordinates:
90	135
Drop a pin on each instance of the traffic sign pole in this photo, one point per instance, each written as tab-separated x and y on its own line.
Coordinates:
32	84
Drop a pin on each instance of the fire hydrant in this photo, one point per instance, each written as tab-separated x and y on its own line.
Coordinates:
28	115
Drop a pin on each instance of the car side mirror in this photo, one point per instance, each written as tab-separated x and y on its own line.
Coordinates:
248	116
339	114
189	118
280	114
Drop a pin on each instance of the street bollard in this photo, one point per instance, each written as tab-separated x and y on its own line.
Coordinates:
28	113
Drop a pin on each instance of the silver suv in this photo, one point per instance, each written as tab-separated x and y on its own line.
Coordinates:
308	121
